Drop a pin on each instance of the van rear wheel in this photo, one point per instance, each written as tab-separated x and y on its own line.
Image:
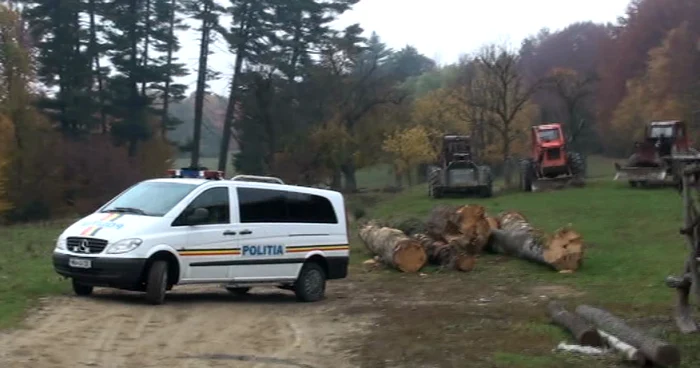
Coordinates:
311	284
157	282
81	289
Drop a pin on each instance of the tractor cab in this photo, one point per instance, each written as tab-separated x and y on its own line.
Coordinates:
548	146
456	148
666	137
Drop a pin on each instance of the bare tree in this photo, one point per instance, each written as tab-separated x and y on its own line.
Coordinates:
502	92
573	90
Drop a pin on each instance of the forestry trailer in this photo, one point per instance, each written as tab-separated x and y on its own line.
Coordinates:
457	172
659	156
551	165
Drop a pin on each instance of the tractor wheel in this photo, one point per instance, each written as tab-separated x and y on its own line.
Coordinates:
576	164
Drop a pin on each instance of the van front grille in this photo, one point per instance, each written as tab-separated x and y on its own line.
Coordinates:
86	245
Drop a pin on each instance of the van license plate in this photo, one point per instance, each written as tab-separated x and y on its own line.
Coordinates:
80	263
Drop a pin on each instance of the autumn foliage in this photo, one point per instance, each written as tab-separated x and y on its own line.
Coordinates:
43	172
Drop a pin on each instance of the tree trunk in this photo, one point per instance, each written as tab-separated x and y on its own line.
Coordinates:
628	352
97	72
349	171
656	350
438	252
231	108
165	116
146	43
562	251
584	332
394	248
201	84
464	228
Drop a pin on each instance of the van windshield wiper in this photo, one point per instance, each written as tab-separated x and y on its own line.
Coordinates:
137	211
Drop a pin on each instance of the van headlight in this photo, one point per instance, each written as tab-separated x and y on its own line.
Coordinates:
124	245
61	243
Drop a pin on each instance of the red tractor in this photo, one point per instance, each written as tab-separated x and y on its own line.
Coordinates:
550	164
665	142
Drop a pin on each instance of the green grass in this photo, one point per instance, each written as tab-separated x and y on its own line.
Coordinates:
632	234
26	272
632	244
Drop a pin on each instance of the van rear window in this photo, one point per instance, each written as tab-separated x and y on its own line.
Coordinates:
268	205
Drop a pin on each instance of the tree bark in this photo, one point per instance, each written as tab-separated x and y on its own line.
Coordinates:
165	117
658	351
463	228
438	252
584	332
562	251
201	83
394	248
627	351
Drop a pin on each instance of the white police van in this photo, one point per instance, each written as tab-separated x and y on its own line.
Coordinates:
242	232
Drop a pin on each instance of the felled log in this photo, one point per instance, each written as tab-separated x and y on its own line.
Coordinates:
410	226
463	227
562	251
393	247
628	352
584	332
493	222
438	252
655	350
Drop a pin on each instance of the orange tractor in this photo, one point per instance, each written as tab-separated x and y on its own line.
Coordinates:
551	165
659	156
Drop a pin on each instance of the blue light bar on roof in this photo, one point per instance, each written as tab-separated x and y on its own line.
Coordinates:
197	174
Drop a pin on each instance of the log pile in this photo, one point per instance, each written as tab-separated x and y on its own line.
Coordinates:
596	327
453	236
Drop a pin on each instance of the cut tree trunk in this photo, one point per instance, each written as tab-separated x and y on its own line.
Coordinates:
628	352
658	351
584	332
562	251
438	252
464	227
394	248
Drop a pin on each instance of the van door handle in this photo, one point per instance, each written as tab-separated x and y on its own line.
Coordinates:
229	232
246	232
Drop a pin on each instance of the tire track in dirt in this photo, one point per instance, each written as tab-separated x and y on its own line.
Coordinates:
204	328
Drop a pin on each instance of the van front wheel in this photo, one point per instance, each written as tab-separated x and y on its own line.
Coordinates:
311	284
157	282
81	289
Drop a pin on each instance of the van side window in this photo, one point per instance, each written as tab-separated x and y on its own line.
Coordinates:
216	200
267	205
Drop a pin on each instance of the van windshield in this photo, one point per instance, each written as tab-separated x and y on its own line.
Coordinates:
149	198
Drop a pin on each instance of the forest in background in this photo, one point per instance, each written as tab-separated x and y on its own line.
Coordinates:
89	100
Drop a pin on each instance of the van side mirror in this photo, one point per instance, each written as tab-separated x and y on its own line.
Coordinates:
198	216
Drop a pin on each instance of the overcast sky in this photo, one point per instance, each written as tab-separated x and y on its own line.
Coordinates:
440	29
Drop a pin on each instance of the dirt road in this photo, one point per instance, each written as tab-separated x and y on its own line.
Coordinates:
197	327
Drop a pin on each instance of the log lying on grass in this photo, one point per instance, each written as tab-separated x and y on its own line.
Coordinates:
438	252
584	332
657	351
628	352
393	247
563	250
463	227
